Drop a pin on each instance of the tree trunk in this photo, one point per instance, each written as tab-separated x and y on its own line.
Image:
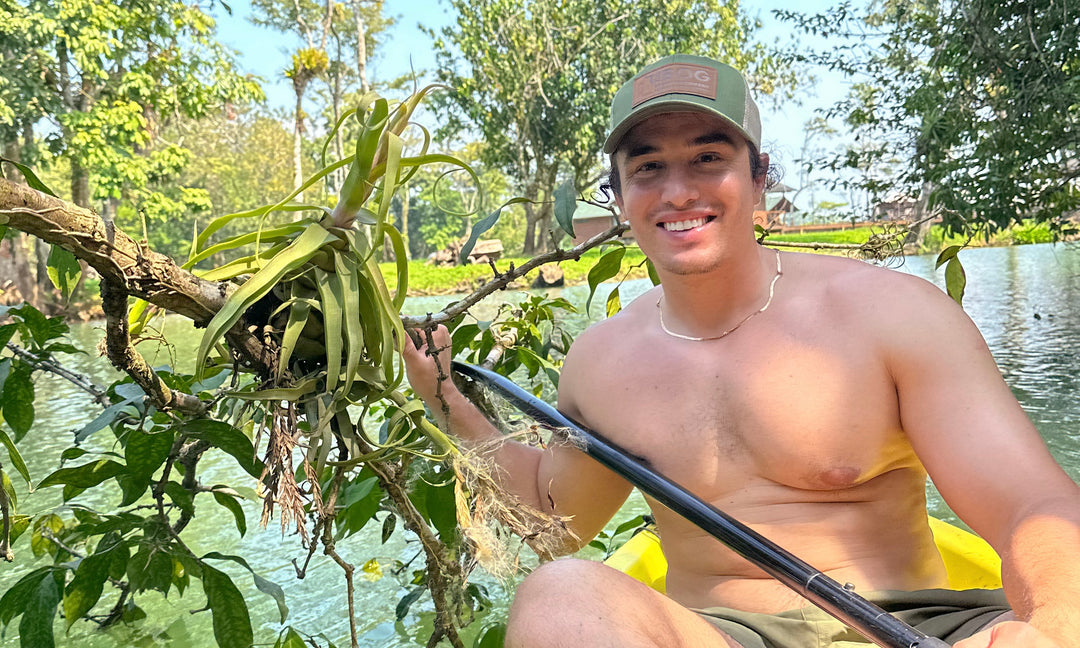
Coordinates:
80	184
16	281
529	247
361	50
298	131
921	225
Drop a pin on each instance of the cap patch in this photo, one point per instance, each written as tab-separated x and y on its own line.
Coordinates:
675	78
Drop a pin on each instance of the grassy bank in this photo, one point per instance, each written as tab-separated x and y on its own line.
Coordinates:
430	280
936	239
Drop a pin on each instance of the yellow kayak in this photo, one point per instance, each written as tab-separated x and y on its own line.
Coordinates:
970	562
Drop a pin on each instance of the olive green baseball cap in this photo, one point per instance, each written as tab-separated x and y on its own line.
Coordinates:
684	83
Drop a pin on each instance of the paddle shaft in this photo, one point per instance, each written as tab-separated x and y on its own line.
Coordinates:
865	617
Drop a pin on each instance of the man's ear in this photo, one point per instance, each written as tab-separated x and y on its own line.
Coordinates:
759	182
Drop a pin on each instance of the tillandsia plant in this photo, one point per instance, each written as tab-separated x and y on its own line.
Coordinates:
313	291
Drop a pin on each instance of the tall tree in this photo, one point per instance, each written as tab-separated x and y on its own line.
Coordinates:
535	78
977	99
326	30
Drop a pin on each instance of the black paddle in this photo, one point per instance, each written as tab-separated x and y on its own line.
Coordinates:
868	619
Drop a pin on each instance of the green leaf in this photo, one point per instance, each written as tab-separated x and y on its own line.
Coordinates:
653	276
85	588
144	454
151	568
947	254
16	458
227	438
484	225
614	303
64	270
234	507
15	600
406	602
84	476
18	406
493	636
7	331
265	586
291	639
181	497
632	523
36	626
607	267
32	180
955	280
232	624
388	526
565	206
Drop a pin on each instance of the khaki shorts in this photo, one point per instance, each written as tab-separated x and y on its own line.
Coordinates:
946	614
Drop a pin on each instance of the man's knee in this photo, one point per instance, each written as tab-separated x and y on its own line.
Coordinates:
560	600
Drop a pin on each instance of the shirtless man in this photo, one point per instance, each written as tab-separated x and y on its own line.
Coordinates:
807	396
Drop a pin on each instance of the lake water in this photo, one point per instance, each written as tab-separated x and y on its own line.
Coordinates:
1025	300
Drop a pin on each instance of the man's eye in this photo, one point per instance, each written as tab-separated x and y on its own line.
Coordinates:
648	166
709	158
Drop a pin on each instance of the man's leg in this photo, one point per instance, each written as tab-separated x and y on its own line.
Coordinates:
575	603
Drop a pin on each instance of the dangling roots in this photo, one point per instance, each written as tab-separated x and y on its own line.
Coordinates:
278	479
486	512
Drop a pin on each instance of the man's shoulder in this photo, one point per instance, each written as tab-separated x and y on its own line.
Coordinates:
842	280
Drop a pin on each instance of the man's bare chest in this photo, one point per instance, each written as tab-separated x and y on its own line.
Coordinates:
796	416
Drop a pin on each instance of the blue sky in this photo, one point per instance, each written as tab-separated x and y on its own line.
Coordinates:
266	53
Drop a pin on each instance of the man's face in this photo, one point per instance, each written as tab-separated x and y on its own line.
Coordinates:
687	190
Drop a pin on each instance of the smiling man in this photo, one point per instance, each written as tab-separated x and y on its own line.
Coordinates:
806	396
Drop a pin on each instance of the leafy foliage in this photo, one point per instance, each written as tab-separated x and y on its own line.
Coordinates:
970	103
536	79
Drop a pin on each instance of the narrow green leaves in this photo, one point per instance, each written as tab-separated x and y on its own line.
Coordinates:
292	257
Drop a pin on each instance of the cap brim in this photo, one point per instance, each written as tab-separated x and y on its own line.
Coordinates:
660	108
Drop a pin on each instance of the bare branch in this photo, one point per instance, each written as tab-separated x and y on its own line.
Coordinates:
54	367
125	358
503	280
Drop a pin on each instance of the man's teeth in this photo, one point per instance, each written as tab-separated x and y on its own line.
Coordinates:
680	226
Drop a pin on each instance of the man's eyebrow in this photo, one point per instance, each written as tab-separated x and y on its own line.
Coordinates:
640	149
715	137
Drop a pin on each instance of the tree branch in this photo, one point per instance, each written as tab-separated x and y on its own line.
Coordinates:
125	358
501	281
140	271
51	366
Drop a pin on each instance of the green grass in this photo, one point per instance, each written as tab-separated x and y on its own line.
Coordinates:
858	235
427	279
430	280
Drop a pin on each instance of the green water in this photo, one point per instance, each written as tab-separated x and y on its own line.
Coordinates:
1039	356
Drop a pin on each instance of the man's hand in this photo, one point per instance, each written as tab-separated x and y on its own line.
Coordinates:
421	368
1010	634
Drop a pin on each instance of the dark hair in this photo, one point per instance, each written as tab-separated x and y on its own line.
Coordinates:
772	173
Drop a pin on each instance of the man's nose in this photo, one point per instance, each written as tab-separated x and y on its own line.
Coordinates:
680	189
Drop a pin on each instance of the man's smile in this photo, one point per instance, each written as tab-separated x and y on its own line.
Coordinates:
684	225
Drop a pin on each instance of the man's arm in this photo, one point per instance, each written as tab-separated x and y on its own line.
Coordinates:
985	456
559	479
